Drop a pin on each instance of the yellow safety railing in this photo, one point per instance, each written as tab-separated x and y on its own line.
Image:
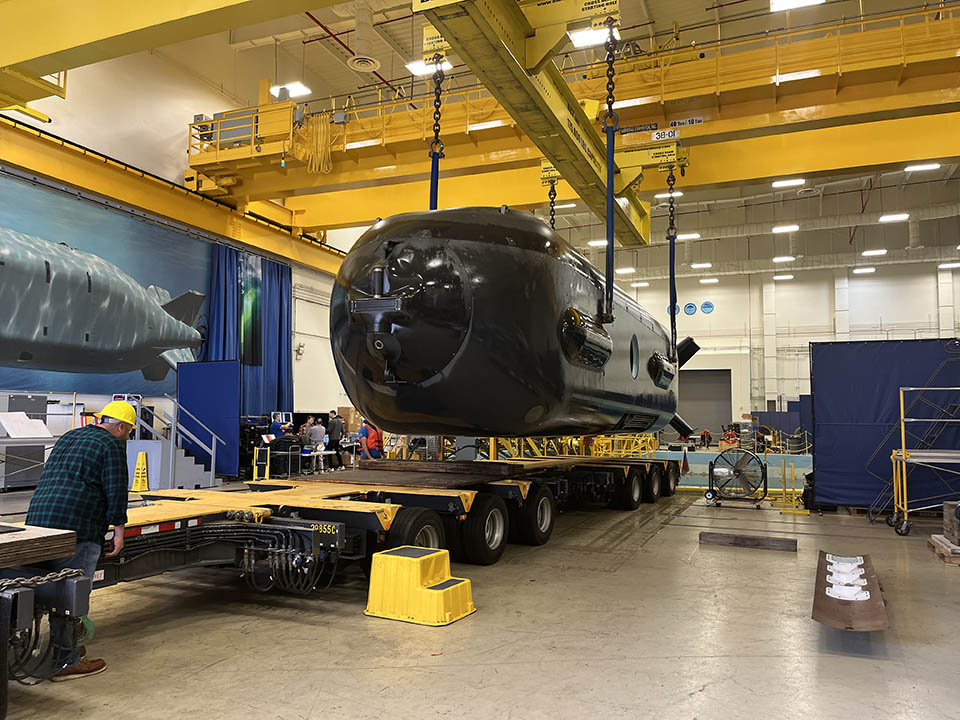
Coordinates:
255	132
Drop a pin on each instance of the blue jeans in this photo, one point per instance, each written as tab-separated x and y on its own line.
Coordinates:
62	630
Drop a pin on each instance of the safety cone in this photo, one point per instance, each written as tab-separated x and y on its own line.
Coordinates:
141	482
685	468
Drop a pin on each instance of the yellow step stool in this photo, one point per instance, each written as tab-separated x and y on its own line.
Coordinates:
413	584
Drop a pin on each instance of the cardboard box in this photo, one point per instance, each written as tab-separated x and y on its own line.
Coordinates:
351	418
951	526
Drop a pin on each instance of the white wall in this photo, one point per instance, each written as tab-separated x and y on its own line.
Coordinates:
136	109
316	385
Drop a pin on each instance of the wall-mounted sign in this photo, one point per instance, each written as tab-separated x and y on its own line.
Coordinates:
706	308
690	308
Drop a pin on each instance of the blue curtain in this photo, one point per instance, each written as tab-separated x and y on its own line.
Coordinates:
269	385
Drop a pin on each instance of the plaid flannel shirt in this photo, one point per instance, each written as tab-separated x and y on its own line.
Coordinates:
84	485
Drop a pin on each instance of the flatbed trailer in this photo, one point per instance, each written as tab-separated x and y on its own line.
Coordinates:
295	533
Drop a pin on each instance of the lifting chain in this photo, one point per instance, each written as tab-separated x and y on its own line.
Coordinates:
552	194
610	118
39	580
436	145
672	211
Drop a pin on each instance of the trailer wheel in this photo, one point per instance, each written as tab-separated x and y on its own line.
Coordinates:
654	481
535	518
417	526
486	529
671	480
630	491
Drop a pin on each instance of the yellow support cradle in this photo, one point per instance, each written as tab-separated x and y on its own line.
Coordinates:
414	584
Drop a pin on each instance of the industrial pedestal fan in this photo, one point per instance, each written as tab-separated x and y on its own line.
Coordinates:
737	474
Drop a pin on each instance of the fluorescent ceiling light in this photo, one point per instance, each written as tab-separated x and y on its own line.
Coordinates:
792	182
895	217
863	270
709	281
420	68
589	37
296	89
597	243
688	236
922	167
784	258
949	265
874	253
675	193
632	102
625	271
799	75
783	277
700	266
566	206
640	284
360	144
780	5
785	228
473	127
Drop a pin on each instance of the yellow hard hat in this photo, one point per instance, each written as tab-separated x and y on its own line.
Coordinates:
119	410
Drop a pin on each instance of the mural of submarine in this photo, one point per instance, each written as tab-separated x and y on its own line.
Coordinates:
71	311
484	322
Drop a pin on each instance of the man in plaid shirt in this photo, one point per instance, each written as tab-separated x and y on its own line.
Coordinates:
84	488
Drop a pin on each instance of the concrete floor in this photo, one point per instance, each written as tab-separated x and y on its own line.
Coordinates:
621	615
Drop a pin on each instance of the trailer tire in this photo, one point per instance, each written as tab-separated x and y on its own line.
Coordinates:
486	529
535	518
630	491
653	483
417	526
671	479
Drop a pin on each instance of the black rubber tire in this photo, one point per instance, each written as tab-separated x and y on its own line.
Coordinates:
709	495
539	509
653	483
892	519
629	491
903	528
671	479
408	524
476	548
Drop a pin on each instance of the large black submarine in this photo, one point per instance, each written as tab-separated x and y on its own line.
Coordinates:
482	321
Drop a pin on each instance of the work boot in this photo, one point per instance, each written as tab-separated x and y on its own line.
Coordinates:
84	668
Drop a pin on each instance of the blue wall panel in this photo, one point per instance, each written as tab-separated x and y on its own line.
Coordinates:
211	391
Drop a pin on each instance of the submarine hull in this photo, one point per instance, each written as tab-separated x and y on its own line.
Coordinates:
481	321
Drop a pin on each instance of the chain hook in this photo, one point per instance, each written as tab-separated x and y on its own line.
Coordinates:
672	212
552	194
436	144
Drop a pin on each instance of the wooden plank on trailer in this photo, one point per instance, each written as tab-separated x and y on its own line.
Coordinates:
857	615
760	542
29	544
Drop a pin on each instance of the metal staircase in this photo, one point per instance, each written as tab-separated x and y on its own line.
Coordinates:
169	465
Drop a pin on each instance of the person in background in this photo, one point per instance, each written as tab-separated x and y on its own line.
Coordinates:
335	433
305	428
317	435
277	428
371	441
84	488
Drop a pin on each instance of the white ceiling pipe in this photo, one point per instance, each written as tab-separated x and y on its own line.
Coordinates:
935	212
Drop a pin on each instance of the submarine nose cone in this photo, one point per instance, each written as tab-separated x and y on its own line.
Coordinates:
400	312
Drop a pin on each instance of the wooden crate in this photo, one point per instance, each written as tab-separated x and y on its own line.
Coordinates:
944	549
951	531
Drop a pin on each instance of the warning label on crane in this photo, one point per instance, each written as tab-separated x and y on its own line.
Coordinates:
649	155
433	43
548	172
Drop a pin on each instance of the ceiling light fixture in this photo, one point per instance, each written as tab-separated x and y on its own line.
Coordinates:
780	5
783	277
863	270
784	258
633	102
921	167
589	37
895	217
640	284
792	182
785	228
709	281
688	236
296	89
566	206
675	193
361	143
597	243
420	68
799	75
700	266
473	127
949	265
625	271
874	253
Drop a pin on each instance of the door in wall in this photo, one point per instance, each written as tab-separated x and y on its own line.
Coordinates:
705	399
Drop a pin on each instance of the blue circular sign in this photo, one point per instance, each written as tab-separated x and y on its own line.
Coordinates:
690	308
676	310
707	307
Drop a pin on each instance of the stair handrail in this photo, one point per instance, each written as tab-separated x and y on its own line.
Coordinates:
195	418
